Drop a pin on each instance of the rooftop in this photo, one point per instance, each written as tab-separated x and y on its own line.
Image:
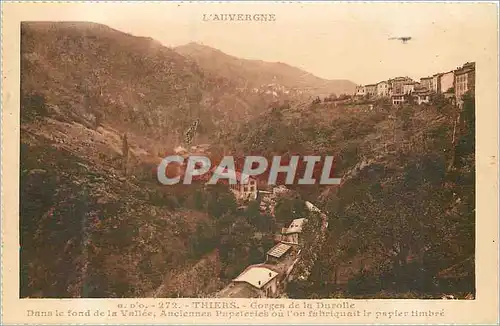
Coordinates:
278	250
462	71
311	207
295	226
256	275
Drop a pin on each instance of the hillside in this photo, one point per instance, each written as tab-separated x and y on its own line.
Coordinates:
98	109
92	74
263	75
403	218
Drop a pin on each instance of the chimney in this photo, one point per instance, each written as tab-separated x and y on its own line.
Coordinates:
259	282
269	274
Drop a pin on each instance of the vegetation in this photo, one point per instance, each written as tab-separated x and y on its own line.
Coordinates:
397	231
399	226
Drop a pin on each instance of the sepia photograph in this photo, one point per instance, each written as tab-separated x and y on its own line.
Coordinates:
245	152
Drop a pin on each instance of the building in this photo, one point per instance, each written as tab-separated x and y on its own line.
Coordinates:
408	88
383	89
278	252
465	79
371	90
434	83
291	234
360	91
446	81
244	187
244	190
426	82
422	95
431	82
398	99
262	279
396	85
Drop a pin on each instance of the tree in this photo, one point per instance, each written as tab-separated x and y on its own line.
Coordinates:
465	134
99	117
252	213
234	247
125	150
220	201
33	105
287	209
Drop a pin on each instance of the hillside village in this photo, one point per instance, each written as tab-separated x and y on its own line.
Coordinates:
452	85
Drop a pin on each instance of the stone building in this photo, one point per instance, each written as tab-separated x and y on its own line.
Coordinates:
371	89
383	89
360	91
465	79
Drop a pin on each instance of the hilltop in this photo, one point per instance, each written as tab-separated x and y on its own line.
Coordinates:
95	75
259	74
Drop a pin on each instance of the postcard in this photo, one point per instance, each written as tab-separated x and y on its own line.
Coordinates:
249	162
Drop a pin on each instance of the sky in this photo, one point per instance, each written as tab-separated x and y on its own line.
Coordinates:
331	40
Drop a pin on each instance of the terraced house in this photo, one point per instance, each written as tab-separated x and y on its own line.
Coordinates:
465	79
452	85
383	89
371	89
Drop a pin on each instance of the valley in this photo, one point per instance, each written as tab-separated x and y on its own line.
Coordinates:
100	109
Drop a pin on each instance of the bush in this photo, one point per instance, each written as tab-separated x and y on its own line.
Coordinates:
364	283
33	105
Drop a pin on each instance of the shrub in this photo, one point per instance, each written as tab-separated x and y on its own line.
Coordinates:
33	105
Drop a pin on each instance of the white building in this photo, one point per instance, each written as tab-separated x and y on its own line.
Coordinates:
371	90
261	278
360	90
244	190
383	89
398	99
244	187
291	234
422	96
